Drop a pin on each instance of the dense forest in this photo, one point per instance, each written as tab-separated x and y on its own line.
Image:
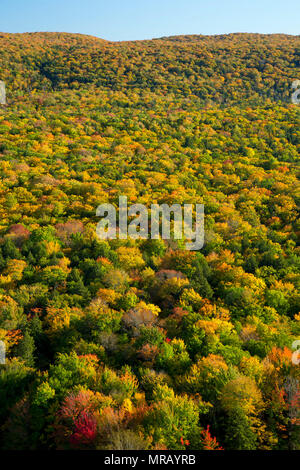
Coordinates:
141	344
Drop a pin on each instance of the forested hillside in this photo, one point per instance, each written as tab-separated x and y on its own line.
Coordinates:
142	344
217	69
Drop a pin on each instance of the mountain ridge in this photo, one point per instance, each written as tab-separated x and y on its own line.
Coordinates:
226	69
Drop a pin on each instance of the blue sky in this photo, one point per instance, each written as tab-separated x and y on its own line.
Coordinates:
119	20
